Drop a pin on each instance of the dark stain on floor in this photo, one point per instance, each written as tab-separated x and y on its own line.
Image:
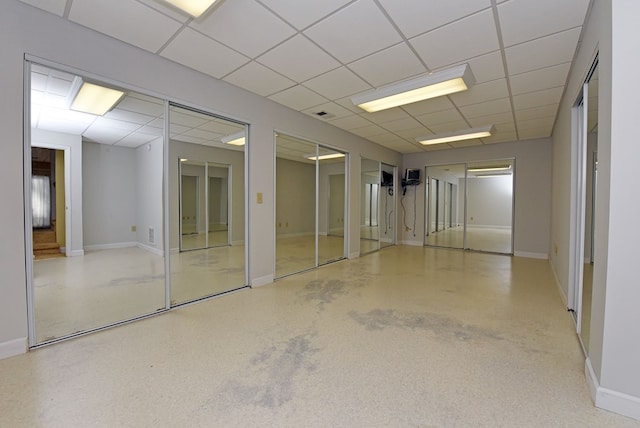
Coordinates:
324	291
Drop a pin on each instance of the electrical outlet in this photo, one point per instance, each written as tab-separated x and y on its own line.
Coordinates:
259	197
133	228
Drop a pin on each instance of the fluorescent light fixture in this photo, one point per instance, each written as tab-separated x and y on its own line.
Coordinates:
466	134
491	169
183	160
432	85
91	98
323	157
492	175
236	139
194	8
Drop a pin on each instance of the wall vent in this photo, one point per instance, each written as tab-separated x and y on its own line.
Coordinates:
324	115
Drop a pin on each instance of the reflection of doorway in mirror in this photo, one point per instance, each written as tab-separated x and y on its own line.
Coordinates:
189	204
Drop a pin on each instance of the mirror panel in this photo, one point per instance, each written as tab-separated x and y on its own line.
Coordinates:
387	206
369	205
444	221
331	205
295	205
591	175
98	218
206	204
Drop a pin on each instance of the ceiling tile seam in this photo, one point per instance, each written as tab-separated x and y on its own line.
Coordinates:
503	55
555	33
542	68
173	37
452	22
538	90
344	6
188	18
402	36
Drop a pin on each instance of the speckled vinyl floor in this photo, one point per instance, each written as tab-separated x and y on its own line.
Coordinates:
405	337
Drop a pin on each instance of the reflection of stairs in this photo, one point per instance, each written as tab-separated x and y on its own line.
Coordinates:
45	245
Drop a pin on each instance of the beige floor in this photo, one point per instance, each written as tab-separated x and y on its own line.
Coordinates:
297	253
197	240
405	337
481	239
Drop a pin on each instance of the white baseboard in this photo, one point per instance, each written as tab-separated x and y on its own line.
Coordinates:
75	253
412	243
294	235
610	400
564	297
541	256
488	226
263	280
353	255
13	347
238	242
150	249
112	246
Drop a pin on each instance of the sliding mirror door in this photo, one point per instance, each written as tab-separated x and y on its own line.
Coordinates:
95	215
444	223
369	206
490	206
206	204
310	205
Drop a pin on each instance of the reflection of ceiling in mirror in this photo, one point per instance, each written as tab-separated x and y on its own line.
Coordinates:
136	120
299	150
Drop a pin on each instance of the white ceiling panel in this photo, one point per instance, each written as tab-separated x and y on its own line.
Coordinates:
52	6
136	139
218	61
481	92
472	36
491	119
104	135
123	22
348	104
298	98
351	122
465	143
354	32
544	52
333	110
245	26
537	99
412	134
501	138
543	78
415	17
444	116
534	133
259	79
184	119
402	124
543	17
168	9
428	106
368	131
298	59
375	70
301	14
104	122
129	116
543	123
384	116
502	105
537	112
337	83
387	137
138	105
440	128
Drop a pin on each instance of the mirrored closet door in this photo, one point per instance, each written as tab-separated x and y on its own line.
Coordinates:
378	186
206	204
95	216
310	205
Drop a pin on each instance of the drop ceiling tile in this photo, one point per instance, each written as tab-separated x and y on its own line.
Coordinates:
537	112
544	52
415	17
384	116
501	138
441	128
491	119
167	9
259	79
298	98
354	32
537	99
57	86
351	122
346	103
115	124
137	105
333	110
444	116
338	83
534	133
436	147
123	22
536	124
472	36
187	120
402	124
489	107
38	81
375	68
104	135
187	49
384	138
428	106
298	59
413	134
543	17
129	116
543	78
67	121
136	139
202	134
301	14
52	6
481	92
147	129
504	128
404	147
245	26
368	131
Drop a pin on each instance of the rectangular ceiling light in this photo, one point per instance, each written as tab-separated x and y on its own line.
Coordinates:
466	134
323	157
433	85
194	8
93	99
236	139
